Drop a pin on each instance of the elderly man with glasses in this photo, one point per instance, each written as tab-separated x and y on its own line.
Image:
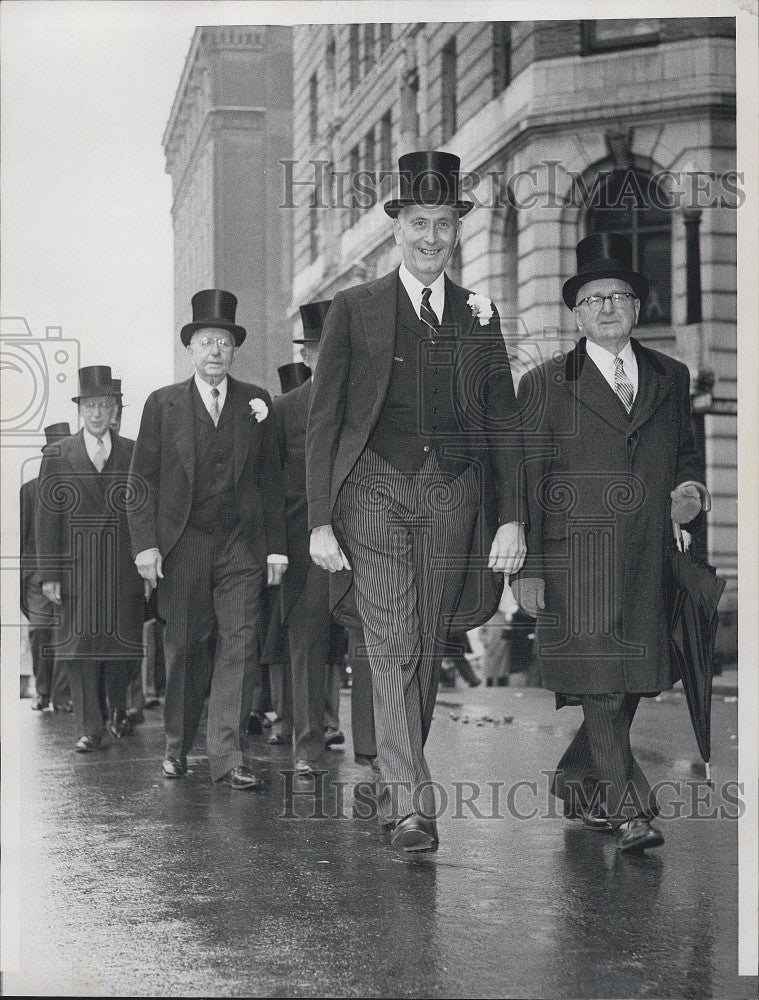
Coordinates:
611	465
208	529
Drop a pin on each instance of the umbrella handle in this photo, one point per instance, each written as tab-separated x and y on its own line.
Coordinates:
703	492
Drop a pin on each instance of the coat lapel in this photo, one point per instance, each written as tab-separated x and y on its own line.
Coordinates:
456	298
378	313
241	429
653	386
586	382
183	428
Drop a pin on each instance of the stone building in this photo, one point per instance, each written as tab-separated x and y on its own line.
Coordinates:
230	125
565	127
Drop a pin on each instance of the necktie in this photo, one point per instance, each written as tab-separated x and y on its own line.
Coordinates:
215	412
98	459
427	314
623	385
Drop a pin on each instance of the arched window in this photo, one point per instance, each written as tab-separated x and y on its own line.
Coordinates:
629	201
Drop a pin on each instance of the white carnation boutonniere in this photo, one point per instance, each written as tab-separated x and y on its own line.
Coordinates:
481	306
258	410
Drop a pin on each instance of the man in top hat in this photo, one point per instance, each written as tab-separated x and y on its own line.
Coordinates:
611	463
50	678
412	470
84	560
207	526
305	586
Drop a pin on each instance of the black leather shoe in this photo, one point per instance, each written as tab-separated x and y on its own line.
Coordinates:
595	822
241	778
414	833
637	834
151	703
119	725
40	703
174	767
279	740
136	716
63	706
86	744
333	737
255	724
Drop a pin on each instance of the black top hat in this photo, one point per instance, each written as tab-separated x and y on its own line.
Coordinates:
55	433
430	179
215	308
293	375
116	382
313	315
604	255
95	380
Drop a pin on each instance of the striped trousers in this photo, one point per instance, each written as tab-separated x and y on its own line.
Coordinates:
406	533
598	769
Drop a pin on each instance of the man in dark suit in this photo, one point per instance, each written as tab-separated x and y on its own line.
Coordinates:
50	678
84	561
207	521
305	586
411	442
611	463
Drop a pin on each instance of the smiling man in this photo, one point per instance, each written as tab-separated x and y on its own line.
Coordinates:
208	528
611	462
412	466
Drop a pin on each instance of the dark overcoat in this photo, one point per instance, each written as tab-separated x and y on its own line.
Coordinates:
349	389
599	531
82	540
162	474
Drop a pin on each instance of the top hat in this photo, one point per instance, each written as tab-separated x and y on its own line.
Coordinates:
604	255
430	179
116	383
313	315
95	380
215	308
55	433
293	375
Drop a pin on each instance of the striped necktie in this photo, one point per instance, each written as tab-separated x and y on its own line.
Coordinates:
427	314
215	411
622	385
99	458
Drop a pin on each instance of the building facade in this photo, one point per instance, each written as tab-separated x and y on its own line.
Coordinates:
230	125
563	128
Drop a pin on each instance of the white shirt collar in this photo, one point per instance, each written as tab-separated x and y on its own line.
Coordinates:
414	288
604	361
91	442
205	392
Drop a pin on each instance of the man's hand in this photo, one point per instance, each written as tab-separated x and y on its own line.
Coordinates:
686	502
149	565
325	550
52	591
508	549
530	594
275	569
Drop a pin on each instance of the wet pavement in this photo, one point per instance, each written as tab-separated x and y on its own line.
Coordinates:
134	885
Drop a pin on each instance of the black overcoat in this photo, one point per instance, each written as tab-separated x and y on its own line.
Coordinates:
598	493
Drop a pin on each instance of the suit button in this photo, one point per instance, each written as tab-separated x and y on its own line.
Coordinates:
426	447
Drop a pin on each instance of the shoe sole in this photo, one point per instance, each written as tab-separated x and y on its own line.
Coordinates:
412	841
645	845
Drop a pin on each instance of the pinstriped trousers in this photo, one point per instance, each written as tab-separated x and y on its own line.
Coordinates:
403	530
598	768
209	598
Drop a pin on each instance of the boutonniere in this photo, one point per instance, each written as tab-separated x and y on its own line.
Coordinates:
481	306
258	409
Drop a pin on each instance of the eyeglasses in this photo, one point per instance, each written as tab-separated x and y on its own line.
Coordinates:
208	342
617	299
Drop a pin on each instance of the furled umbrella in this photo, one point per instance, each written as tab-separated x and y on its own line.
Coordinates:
695	593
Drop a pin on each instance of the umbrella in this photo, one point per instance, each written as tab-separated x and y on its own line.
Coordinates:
695	594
